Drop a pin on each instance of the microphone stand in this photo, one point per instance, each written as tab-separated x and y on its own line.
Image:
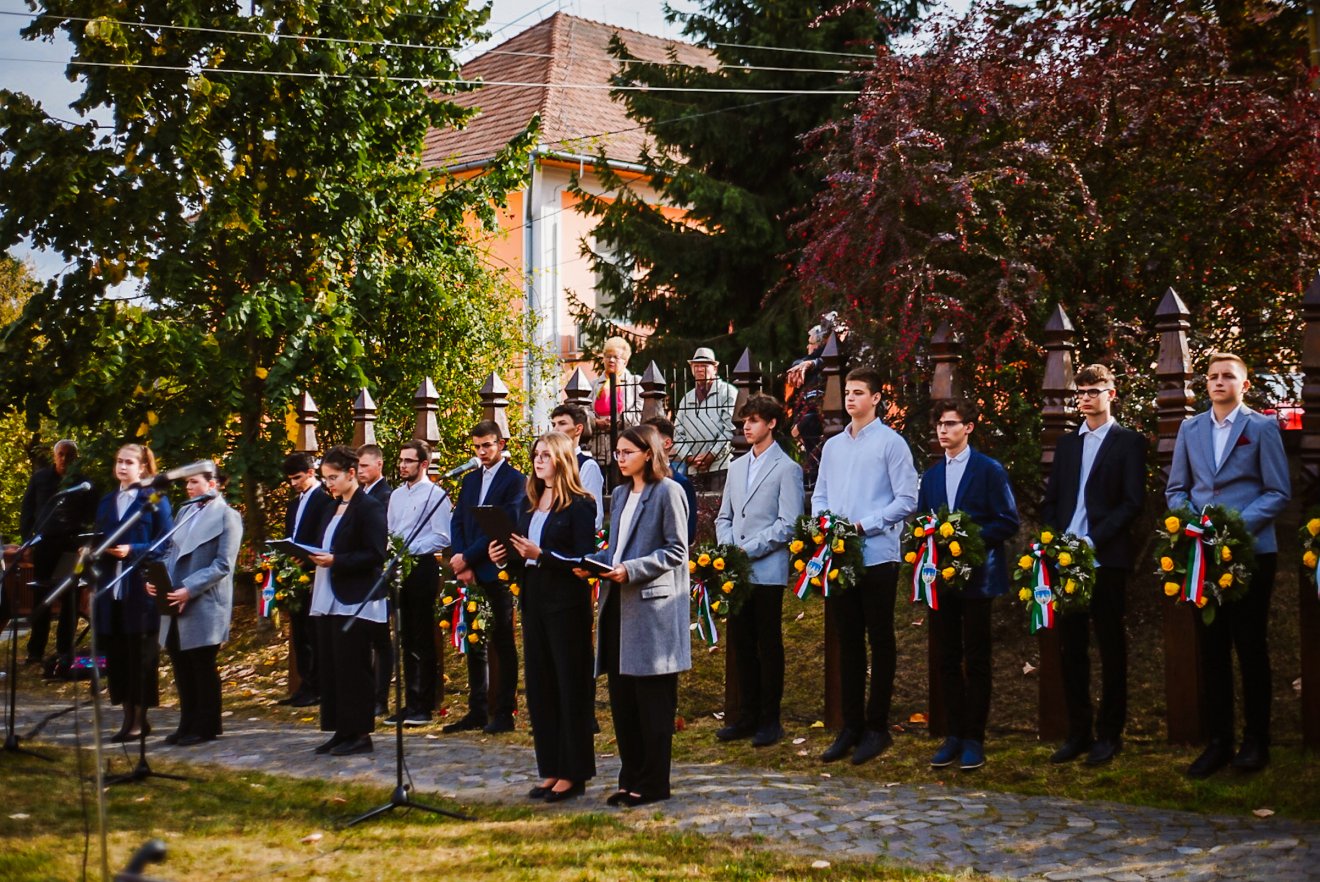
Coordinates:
12	739
400	797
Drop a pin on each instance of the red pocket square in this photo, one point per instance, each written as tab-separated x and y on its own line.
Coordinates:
1242	441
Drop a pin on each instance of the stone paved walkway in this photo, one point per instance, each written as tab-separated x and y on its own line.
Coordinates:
999	834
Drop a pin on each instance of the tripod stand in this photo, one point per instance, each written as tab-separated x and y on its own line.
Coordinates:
400	797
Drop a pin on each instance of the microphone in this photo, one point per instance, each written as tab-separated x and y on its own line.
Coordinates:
466	467
200	500
164	479
76	488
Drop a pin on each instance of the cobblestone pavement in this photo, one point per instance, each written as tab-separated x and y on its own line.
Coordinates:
946	828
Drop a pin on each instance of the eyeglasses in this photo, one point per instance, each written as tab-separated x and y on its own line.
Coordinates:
1091	393
948	424
404	460
621	455
540	456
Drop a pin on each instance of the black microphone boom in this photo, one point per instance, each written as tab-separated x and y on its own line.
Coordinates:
82	487
463	469
164	479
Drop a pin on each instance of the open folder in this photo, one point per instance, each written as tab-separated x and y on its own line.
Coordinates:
294	549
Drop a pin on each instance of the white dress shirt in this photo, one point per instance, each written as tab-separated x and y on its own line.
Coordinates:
534	530
408	504
954	469
1219	432
593	481
303	499
625	525
1091	441
869	479
487	478
754	466
123	500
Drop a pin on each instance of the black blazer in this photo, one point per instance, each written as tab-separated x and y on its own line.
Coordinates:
359	547
1115	492
381	491
508	490
319	510
571	532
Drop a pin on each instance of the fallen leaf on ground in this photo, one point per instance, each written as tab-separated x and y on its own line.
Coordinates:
820	865
799	616
918	623
817	725
799	740
308	719
826	775
1262	813
1027	667
919	719
311	837
1297	685
338	799
19	816
802	752
719	715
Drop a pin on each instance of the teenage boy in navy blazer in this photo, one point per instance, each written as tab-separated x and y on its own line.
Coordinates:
500	484
304	522
1096	490
1232	456
969	481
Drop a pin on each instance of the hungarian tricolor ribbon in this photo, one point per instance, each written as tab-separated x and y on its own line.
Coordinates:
1042	611
705	615
267	603
1194	584
458	624
927	566
818	566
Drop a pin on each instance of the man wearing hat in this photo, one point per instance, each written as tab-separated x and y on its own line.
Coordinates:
703	425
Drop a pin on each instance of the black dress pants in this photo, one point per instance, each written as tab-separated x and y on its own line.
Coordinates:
496	699
44	564
1108	607
417	638
1240	626
963	624
303	635
348	686
864	615
561	693
131	662
198	681
757	636
643	710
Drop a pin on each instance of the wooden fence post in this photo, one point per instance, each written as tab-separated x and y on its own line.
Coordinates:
495	403
364	419
1308	604
1058	415
1183	689
945	349
304	440
747	380
833	421
653	392
577	391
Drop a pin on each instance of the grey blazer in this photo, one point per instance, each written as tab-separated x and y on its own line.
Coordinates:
1252	478
201	559
653	604
760	519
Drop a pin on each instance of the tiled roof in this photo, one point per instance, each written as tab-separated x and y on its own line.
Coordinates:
562	49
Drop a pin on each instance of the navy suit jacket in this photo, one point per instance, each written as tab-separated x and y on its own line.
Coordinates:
1115	492
690	492
508	490
381	491
320	508
139	608
985	495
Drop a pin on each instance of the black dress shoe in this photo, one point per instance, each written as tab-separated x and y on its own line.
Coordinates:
616	798
464	724
305	701
286	701
560	795
1253	756
843	744
538	792
767	735
327	746
735	731
873	744
353	747
382	709
121	736
190	740
632	800
499	725
1103	751
1216	755
1070	750
173	737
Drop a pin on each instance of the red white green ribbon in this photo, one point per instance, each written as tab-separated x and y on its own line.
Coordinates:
458	624
927	566
267	603
819	565
705	615
1042	611
1194	584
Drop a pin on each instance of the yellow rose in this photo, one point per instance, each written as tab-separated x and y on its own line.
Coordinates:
1172	589
837	546
727	587
304	579
715	607
1070	587
1166	564
1226	580
504	575
834	573
478	624
444	624
955	549
910	557
471	606
946	529
799	565
1172	525
718	563
1024	594
514	589
473	638
815	580
795	546
1313	526
703	560
817	538
1200	603
448	601
918	532
1047	537
692	566
1024	562
1065	559
1309	559
948	573
1225	553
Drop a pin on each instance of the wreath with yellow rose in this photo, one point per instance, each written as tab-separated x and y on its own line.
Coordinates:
826	554
721	581
286	584
1056	574
940	552
1309	534
1204	558
465	615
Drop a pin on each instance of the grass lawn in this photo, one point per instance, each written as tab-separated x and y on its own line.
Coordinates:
230	826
